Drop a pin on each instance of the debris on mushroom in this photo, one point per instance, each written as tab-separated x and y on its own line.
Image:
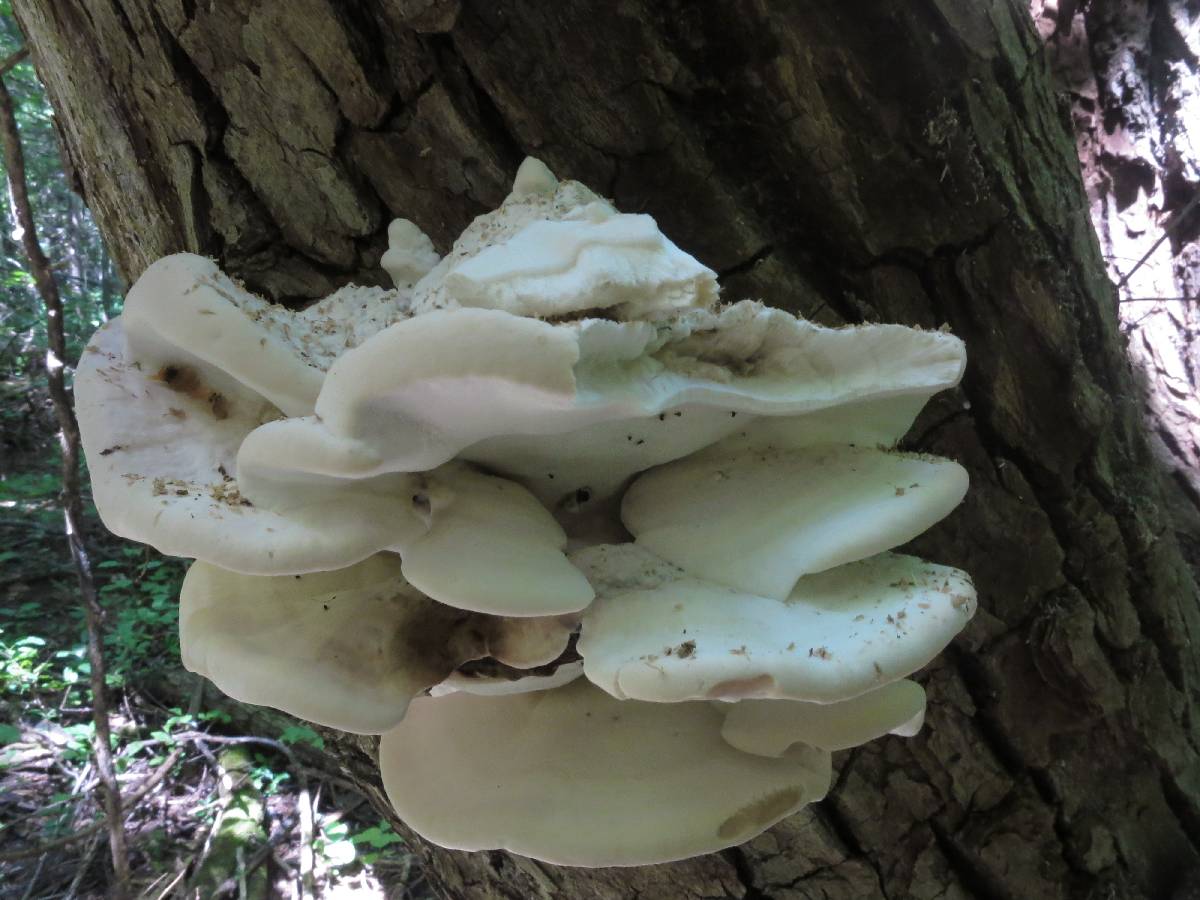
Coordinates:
838	634
607	562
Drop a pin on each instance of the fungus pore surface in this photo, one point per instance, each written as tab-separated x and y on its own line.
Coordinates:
607	562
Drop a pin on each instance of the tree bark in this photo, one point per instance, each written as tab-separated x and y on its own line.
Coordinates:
899	160
1132	72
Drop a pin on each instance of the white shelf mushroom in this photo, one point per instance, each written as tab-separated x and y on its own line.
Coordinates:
657	633
381	491
363	639
574	777
757	520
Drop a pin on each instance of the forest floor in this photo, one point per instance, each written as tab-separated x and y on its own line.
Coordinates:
214	811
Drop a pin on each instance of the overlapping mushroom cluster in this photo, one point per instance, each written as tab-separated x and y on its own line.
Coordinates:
607	564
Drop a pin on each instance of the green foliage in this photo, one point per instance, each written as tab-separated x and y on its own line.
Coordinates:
144	609
43	644
337	845
378	838
302	734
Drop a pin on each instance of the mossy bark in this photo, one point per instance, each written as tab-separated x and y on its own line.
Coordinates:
893	161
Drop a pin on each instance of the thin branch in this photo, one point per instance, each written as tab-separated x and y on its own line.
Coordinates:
12	60
1171	226
1157	299
39	265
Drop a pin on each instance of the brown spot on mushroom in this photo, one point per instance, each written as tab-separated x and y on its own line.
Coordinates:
178	378
107	451
899	492
754	817
186	381
177	413
686	649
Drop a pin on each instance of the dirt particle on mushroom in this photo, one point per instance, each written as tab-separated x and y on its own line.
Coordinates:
219	405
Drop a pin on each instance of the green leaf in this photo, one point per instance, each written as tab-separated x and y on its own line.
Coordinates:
9	734
378	836
295	734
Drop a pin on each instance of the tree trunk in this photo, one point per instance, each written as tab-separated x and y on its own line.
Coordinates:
1132	70
898	160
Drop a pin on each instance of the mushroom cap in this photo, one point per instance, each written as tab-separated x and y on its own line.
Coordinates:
410	254
496	686
161	447
573	777
169	390
657	633
185	312
556	249
603	260
468	540
348	648
769	727
584	406
165	470
757	520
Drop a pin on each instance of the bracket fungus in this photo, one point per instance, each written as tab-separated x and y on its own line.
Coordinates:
607	563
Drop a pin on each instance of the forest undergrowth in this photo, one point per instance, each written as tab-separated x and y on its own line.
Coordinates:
211	811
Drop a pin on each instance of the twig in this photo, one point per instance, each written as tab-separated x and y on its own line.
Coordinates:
72	504
174	881
1157	299
260	856
240	855
1171	226
305	807
37	873
11	61
83	866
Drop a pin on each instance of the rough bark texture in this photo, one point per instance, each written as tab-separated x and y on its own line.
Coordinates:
1132	71
899	160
